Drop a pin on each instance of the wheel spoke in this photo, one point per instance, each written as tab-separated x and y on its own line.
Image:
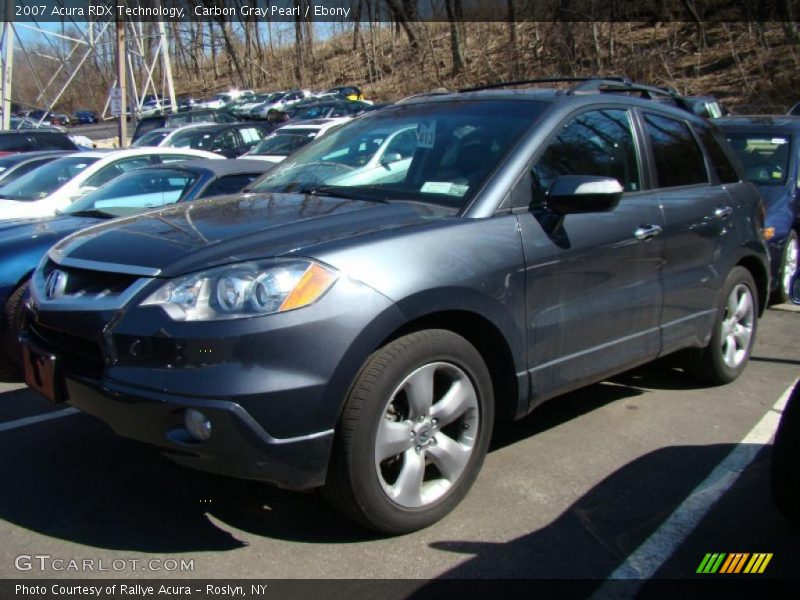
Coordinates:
730	350
744	306
732	304
455	402
419	390
727	328
393	438
449	456
408	486
743	337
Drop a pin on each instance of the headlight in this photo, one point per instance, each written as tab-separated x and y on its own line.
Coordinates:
243	290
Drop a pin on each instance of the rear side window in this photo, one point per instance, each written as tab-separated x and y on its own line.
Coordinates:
229	184
722	164
679	160
55	141
597	143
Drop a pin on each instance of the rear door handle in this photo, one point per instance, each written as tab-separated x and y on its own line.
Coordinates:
723	212
646	232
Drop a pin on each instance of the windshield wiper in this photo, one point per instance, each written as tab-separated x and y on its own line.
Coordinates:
99	214
336	192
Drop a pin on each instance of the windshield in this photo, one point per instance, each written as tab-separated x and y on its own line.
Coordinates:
45	180
151	138
764	156
432	152
283	144
135	192
199	138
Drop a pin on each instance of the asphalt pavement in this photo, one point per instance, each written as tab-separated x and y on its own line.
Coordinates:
572	491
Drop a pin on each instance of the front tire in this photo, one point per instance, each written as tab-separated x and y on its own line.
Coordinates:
734	334
413	434
787	270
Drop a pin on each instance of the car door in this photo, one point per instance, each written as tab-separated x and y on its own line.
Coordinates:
697	215
593	286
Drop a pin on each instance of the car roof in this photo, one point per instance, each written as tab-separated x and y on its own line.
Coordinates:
220	168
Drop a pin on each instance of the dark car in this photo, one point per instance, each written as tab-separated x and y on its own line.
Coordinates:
359	329
29	140
348	92
186	102
795	110
16	165
24	242
321	109
182	118
229	140
85	117
769	149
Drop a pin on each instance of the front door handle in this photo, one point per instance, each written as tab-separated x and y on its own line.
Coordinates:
723	212
646	232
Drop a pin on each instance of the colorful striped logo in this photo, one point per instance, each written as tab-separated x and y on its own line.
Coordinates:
737	562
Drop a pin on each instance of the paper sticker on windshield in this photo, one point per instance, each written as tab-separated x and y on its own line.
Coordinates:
426	134
444	187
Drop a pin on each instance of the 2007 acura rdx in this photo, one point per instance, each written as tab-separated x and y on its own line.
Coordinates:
359	329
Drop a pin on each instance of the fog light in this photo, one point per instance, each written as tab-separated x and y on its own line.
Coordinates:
197	424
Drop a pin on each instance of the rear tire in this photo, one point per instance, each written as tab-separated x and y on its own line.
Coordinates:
734	333
413	434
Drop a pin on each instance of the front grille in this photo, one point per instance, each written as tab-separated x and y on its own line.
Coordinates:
85	282
77	354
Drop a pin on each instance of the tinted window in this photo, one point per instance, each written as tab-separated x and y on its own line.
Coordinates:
764	155
678	158
722	164
23	169
54	141
229	184
16	143
48	178
596	143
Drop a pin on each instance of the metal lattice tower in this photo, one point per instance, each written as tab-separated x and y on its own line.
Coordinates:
146	47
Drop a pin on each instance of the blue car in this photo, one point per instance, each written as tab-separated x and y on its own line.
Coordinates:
23	242
769	149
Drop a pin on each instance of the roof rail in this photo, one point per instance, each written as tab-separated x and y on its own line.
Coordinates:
612	85
492	86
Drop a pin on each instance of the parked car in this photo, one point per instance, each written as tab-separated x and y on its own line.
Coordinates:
348	92
321	109
54	186
291	137
243	109
795	110
362	337
31	140
228	140
186	103
13	166
182	118
769	149
85	117
154	107
26	123
278	102
223	99
24	242
158	137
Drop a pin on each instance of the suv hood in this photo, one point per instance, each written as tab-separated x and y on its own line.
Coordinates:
198	235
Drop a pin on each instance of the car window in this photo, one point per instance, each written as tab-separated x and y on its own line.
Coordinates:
764	155
599	143
24	169
178	120
678	158
223	117
146	125
251	136
137	191
171	158
16	143
722	164
54	142
151	138
404	144
458	146
225	140
230	184
45	180
116	168
283	144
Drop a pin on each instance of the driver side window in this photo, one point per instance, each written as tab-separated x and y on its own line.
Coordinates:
599	142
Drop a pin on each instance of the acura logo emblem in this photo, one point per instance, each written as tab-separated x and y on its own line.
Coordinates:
55	284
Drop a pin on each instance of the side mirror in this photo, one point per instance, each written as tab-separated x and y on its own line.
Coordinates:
391	157
575	194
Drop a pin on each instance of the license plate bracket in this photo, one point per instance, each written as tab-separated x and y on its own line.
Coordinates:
42	374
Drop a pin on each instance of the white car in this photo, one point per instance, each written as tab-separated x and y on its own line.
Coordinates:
285	101
162	135
283	141
374	159
55	185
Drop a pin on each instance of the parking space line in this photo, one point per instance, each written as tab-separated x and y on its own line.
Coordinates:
38	419
645	561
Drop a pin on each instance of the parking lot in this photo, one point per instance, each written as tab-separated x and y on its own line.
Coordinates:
570	492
